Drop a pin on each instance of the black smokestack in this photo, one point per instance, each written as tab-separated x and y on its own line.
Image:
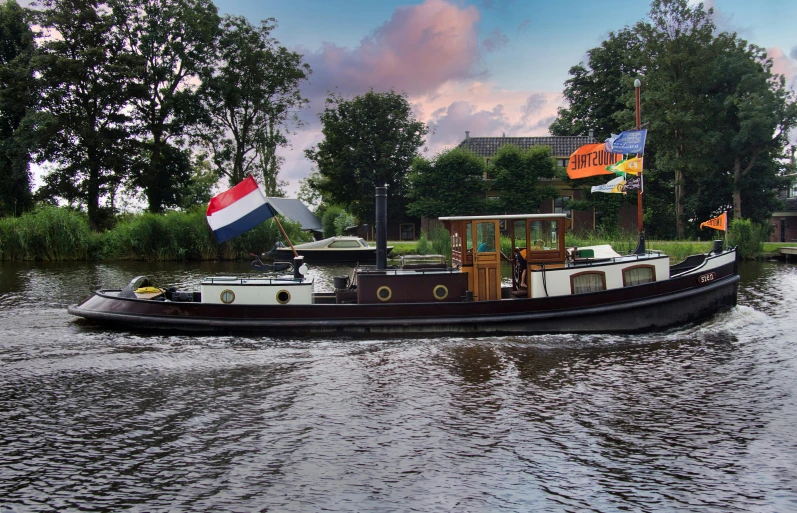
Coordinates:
381	228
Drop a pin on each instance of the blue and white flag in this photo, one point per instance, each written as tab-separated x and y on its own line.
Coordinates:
238	210
629	141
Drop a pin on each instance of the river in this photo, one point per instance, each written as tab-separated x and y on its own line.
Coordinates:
697	419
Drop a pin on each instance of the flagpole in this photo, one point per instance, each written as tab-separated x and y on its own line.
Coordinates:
637	85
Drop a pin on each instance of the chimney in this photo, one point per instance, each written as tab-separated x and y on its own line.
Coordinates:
591	134
467	136
381	228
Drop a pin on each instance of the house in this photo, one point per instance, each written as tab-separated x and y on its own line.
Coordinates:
298	212
563	147
784	222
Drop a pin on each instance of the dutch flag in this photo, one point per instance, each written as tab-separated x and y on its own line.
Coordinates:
238	210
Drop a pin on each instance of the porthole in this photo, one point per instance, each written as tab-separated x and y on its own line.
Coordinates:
384	293
440	292
283	297
227	296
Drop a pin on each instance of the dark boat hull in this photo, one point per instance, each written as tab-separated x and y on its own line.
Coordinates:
649	307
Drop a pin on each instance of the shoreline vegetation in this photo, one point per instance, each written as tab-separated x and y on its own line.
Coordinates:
51	234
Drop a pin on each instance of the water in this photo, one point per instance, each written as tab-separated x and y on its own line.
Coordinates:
695	419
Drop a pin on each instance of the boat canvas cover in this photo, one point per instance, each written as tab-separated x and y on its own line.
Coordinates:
238	210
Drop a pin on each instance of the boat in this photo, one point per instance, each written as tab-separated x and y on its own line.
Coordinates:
340	249
568	290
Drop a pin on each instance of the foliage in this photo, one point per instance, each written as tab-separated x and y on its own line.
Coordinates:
370	140
440	239
84	76
748	237
516	178
172	43
335	220
717	114
450	184
423	247
199	188
17	97
46	233
310	196
252	99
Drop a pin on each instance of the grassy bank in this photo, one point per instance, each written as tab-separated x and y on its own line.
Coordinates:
57	234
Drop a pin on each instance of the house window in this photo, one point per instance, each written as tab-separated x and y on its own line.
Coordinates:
562	162
493	198
638	275
407	231
561	205
590	281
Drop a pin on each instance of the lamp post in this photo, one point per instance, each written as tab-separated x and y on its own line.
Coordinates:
637	85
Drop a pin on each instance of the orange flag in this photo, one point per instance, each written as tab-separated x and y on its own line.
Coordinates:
718	223
591	160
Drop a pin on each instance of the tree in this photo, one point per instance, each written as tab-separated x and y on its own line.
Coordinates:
599	94
451	184
16	99
368	141
516	178
252	98
84	76
173	42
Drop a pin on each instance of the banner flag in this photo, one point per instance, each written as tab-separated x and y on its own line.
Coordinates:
590	160
718	223
630	166
629	141
615	186
633	184
238	210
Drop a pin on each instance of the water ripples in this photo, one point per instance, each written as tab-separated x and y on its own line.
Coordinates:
695	419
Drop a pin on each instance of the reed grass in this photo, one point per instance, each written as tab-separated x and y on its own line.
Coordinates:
47	233
53	234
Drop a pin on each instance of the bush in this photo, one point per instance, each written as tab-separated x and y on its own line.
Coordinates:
46	233
747	236
424	247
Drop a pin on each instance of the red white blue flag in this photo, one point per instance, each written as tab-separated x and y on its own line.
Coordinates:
238	210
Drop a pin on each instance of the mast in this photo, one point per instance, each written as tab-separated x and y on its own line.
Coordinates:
641	244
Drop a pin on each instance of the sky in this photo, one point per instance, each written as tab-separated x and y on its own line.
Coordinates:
490	67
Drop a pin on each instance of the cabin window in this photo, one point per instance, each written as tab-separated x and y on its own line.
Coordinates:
407	231
544	235
590	281
485	237
345	244
363	243
638	275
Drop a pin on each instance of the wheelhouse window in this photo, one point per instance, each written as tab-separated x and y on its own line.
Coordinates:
544	235
638	275
590	281
485	237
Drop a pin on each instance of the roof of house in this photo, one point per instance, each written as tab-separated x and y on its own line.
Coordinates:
563	146
297	212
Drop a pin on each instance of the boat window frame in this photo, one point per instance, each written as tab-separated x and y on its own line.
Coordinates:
576	275
646	266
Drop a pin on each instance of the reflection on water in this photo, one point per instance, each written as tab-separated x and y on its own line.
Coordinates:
695	419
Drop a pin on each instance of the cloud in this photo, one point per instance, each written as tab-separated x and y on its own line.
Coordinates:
417	50
784	65
497	40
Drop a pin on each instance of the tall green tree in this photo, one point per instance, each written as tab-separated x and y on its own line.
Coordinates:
370	140
450	184
174	43
516	178
17	97
84	75
252	98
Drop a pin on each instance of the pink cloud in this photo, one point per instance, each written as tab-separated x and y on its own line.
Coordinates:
419	48
783	65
